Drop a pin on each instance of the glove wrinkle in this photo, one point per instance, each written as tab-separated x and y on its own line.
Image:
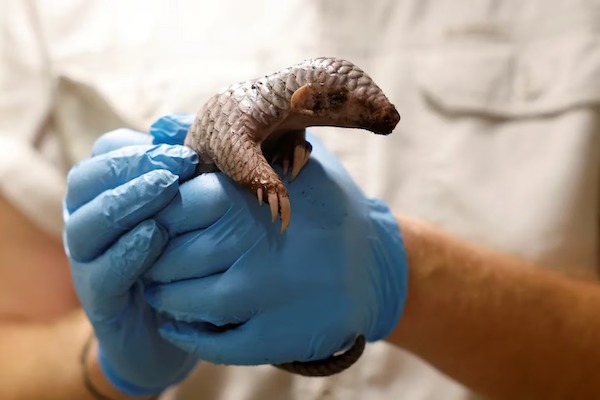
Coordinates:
112	239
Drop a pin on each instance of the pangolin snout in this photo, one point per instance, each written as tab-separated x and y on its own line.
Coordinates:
385	123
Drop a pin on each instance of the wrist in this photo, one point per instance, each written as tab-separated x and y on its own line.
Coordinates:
387	244
420	251
97	380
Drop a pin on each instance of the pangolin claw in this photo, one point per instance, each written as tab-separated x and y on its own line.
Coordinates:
259	194
274	204
286	166
301	156
284	204
279	205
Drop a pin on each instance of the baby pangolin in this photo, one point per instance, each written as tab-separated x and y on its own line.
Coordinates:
243	127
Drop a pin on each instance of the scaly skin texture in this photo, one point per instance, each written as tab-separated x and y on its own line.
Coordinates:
242	127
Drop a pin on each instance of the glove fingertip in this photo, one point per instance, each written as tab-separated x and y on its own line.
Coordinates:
180	160
160	180
157	236
145	243
172	128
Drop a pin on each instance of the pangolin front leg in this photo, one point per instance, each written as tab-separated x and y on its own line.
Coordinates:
289	149
252	170
260	178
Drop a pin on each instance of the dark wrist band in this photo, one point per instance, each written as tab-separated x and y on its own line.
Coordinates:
86	377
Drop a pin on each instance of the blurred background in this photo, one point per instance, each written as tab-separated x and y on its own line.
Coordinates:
477	83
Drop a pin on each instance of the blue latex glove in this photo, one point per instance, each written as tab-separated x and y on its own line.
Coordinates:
111	240
338	272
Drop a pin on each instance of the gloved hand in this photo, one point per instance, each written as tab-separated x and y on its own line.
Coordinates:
111	239
338	272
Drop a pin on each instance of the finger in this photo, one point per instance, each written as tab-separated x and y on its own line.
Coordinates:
212	345
202	253
93	176
200	203
172	129
241	345
109	278
260	340
97	224
120	138
212	302
207	199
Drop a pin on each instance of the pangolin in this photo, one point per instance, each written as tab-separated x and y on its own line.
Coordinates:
246	127
249	124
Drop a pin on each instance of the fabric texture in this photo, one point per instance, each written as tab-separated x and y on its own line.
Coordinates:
499	140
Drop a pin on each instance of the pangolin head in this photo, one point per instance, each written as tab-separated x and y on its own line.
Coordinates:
342	94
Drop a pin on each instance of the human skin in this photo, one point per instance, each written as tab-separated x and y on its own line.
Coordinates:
499	324
42	327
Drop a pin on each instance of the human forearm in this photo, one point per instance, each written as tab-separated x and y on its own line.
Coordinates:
42	361
498	324
33	266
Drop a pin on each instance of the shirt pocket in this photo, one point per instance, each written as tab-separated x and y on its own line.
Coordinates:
503	78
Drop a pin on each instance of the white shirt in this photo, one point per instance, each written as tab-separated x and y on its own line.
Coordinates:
499	141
